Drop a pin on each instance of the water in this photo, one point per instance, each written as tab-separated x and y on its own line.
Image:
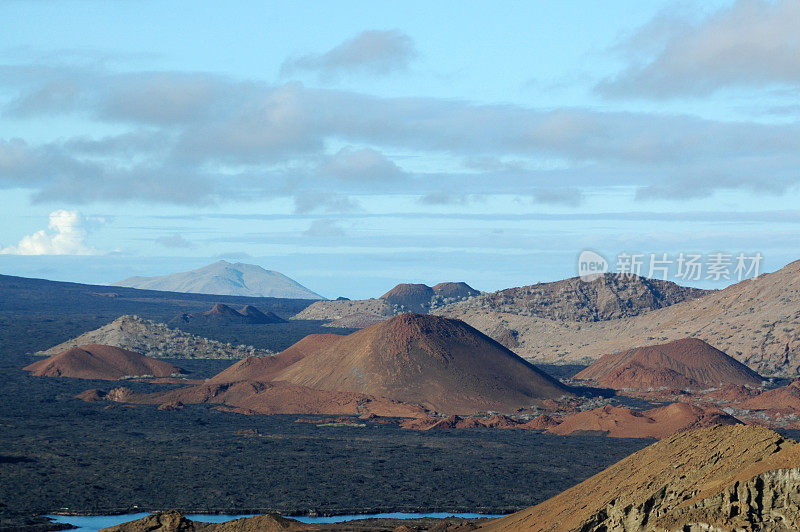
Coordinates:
93	523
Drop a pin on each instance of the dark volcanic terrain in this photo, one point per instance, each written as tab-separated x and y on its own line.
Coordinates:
36	314
65	454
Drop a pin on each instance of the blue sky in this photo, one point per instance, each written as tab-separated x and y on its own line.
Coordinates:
354	145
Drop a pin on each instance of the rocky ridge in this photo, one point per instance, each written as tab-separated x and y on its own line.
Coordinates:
608	297
757	322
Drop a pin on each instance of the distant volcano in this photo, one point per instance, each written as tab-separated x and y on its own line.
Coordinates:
224	313
224	278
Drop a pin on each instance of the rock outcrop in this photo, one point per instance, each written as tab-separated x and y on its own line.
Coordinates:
608	297
737	477
158	341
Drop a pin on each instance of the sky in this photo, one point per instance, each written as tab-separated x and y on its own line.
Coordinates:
355	145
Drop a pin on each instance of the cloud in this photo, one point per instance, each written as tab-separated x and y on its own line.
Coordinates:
324	228
751	43
66	235
361	164
174	241
571	197
55	95
370	52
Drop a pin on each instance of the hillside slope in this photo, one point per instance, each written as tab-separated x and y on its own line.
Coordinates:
741	477
757	322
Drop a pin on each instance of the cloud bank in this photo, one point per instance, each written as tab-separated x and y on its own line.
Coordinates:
752	43
197	138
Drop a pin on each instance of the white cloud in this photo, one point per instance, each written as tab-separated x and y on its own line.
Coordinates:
65	235
752	43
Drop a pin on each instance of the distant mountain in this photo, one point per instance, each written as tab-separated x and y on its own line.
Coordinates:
224	278
412	297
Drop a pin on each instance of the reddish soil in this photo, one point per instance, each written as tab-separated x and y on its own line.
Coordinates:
785	399
101	362
264	369
457	290
656	423
731	394
442	364
688	363
413	297
273	398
